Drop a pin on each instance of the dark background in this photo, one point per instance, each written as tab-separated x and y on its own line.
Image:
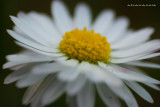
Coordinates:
140	17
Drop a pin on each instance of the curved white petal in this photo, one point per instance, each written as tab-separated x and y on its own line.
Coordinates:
68	74
18	74
107	96
75	86
31	43
30	93
152	86
37	98
28	56
47	25
61	16
34	22
17	67
82	16
143	64
30	79
54	91
34	93
124	93
27	29
24	58
16	29
117	30
133	68
37	50
134	38
131	75
86	97
140	91
103	22
145	48
47	68
64	61
150	56
98	74
134	58
11	64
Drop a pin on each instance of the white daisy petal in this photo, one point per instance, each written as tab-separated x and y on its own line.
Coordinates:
125	60
111	79
82	16
86	97
75	86
28	31
124	93
117	30
144	64
34	93
133	68
91	74
152	86
64	61
97	74
17	67
28	56
16	29
147	47
37	50
30	93
47	24
36	99
131	75
29	79
36	26
103	21
18	74
31	43
134	58
47	68
11	64
107	96
134	38
54	91
61	16
28	42
25	57
140	91
149	56
68	75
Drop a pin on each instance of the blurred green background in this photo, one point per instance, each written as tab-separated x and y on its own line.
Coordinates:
140	17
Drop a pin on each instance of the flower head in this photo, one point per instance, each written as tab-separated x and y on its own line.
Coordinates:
76	57
84	45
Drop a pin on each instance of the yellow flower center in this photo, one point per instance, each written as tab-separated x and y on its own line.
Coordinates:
85	45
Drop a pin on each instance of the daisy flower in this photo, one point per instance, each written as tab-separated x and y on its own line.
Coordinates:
77	57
